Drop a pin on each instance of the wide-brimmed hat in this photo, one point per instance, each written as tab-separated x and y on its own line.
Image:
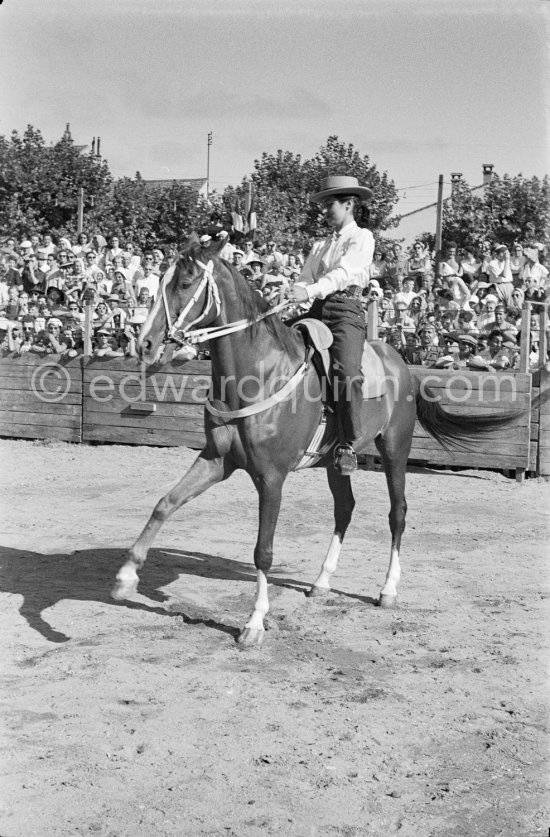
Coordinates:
467	338
340	185
529	252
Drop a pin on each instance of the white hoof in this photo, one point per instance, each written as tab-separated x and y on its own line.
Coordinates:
318	592
125	586
250	637
387	600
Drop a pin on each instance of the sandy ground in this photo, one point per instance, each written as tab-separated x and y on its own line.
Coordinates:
145	718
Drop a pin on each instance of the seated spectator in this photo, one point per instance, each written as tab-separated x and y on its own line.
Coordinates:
273	256
143	304
501	320
534	276
401	320
291	266
149	279
28	334
52	340
470	267
111	252
158	261
238	256
122	286
250	254
497	355
104	347
105	285
82	246
30	275
117	314
466	321
486	319
75	312
407	293
12	308
54	300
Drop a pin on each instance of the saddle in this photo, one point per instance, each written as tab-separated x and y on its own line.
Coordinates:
318	335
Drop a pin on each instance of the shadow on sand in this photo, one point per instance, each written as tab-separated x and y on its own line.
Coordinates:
87	575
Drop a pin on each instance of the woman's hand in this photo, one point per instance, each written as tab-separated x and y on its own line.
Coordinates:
298	293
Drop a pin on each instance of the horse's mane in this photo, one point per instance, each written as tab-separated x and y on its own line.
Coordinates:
253	304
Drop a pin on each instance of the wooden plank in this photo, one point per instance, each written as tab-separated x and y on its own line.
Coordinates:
119	405
161	381
146	420
13	396
41	384
58	409
525	340
18	417
190	367
36	431
133	436
133	392
498	449
470	460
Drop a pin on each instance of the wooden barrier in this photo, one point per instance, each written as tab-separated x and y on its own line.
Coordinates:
41	398
127	402
123	401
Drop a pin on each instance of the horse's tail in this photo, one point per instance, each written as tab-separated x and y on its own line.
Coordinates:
458	431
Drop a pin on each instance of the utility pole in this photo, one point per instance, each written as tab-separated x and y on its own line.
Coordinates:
80	211
209	143
439	215
438	225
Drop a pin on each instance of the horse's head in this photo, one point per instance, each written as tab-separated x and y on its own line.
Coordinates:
187	297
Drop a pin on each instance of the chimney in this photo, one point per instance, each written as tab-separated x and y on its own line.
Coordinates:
456	178
487	173
98	146
93	147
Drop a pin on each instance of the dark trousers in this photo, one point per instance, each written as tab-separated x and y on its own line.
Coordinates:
344	316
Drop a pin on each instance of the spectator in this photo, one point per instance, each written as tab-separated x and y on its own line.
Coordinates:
149	280
249	253
52	341
500	273
396	264
418	265
238	256
534	274
517	263
273	256
104	344
470	267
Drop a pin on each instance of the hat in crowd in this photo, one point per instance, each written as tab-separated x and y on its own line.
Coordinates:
257	260
113	297
529	252
41	253
490	298
237	252
55	321
103	330
223	234
335	185
26	244
500	248
483	285
467	338
204	239
374	282
401	305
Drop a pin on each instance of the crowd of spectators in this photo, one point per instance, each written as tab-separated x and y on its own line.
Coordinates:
463	309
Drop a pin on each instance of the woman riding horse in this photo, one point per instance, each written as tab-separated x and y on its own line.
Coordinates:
264	409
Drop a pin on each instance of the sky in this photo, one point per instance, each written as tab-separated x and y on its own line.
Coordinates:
423	87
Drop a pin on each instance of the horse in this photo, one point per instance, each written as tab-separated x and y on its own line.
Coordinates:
252	352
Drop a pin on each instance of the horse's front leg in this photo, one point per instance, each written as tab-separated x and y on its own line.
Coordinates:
201	475
344	504
269	491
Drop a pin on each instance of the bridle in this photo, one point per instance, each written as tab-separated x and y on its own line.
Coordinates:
199	335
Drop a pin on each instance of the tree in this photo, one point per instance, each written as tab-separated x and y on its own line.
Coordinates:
283	181
508	209
39	184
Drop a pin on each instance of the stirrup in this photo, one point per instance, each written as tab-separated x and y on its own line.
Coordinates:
345	459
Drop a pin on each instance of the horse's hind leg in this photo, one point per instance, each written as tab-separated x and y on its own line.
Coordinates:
344	503
202	474
395	466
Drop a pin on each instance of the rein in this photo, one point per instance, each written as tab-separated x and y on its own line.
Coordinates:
199	335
